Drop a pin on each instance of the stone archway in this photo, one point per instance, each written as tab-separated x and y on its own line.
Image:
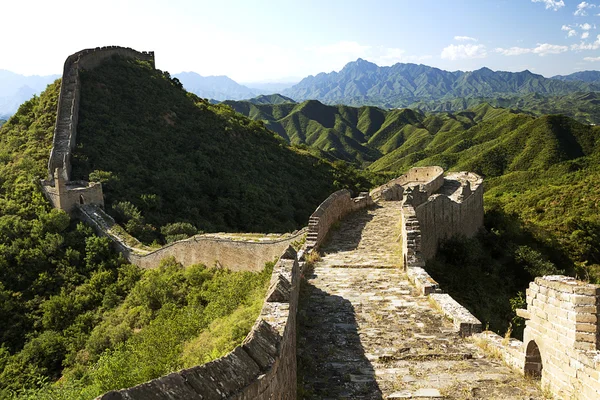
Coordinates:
533	361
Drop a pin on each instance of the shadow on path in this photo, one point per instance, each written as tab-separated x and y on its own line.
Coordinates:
331	359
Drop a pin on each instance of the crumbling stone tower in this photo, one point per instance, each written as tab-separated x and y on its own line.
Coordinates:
561	337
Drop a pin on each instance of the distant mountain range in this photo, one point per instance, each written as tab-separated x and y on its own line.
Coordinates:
224	88
583	76
364	83
16	89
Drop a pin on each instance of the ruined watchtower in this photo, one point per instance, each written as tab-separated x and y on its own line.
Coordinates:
561	338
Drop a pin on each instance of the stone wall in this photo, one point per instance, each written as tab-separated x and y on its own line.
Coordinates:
236	255
262	367
334	208
561	338
65	130
442	217
429	178
227	253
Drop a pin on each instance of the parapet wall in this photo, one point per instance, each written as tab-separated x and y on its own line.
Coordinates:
561	336
442	217
236	255
334	208
430	179
262	367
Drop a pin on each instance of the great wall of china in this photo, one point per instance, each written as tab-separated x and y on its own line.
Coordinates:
374	313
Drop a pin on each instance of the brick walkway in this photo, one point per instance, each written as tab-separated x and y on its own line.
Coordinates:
364	333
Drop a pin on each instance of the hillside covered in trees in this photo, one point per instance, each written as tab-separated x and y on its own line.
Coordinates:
167	157
76	313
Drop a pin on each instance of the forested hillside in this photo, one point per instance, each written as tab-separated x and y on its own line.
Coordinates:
540	192
581	106
166	156
72	309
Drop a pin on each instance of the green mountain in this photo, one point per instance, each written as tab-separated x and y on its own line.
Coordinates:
72	309
270	99
582	106
2	122
582	76
364	83
167	156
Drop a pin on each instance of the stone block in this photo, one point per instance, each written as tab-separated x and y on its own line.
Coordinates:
262	344
589	309
588	290
585	337
581	300
591	328
279	290
587	346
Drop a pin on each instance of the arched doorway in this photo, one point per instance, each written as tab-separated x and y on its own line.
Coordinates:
81	199
533	361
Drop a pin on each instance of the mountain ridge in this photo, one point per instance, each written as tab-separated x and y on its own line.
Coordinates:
364	83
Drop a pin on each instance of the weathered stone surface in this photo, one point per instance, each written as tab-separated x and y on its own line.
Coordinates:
366	333
279	290
262	344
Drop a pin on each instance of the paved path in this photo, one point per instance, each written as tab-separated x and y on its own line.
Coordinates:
364	333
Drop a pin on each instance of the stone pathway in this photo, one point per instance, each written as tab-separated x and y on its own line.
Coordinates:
364	333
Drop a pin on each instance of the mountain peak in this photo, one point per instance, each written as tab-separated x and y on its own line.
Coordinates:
361	65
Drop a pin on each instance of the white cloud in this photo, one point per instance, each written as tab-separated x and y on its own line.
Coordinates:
582	8
569	29
585	35
383	56
546	48
553	4
587	46
513	51
542	49
587	27
592	59
462	51
465	39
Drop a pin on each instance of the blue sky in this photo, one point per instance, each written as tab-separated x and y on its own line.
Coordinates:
262	40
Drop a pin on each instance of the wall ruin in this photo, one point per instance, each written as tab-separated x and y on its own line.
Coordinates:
561	338
430	179
68	195
236	255
444	216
